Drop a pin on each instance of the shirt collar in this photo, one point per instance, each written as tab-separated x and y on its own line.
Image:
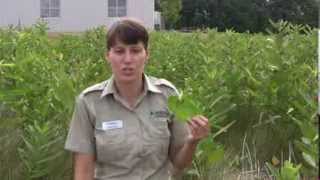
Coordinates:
111	89
149	85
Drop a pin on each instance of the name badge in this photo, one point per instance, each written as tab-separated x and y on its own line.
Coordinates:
115	124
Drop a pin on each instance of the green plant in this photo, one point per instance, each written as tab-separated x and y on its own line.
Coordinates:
42	153
308	144
208	152
256	83
183	107
287	172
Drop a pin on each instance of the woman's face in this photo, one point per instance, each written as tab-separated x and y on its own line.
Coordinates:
127	61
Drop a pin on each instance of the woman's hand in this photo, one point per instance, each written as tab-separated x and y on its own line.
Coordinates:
199	129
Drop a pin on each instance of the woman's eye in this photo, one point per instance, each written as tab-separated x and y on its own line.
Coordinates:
136	50
118	51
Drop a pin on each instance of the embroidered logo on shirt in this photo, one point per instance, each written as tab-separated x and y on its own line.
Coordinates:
160	114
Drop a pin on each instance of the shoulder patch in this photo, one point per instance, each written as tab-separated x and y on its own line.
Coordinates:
96	87
166	83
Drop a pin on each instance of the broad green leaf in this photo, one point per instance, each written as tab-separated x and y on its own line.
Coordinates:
289	172
183	107
311	161
12	94
304	148
215	156
6	65
308	130
211	151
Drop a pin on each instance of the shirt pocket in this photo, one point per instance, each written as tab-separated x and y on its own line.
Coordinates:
159	138
110	144
160	126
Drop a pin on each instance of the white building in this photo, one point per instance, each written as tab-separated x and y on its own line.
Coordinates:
74	15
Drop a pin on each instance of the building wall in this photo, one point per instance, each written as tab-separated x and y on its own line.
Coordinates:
79	15
76	15
13	12
143	10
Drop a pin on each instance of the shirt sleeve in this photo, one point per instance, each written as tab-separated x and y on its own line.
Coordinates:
179	130
81	132
179	134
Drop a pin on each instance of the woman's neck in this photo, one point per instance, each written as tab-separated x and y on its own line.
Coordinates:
130	91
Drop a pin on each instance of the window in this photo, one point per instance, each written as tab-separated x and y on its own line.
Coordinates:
117	8
49	8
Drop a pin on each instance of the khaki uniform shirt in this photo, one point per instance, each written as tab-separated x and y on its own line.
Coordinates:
129	143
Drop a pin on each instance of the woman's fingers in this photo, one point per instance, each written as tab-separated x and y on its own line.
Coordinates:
200	122
199	126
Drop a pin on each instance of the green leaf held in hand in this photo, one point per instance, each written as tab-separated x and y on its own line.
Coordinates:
183	107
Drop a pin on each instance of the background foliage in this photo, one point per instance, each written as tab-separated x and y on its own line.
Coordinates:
240	15
261	88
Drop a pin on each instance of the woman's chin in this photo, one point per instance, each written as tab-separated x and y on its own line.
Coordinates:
127	78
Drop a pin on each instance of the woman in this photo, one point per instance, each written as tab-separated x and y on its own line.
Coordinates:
121	128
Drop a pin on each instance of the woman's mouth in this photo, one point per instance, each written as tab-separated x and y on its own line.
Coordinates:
127	71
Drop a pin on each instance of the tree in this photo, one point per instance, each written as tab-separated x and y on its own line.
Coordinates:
247	15
171	12
295	11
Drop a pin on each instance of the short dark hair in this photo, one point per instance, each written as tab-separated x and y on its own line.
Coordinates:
128	31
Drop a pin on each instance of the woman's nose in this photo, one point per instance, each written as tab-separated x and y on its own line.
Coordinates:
127	57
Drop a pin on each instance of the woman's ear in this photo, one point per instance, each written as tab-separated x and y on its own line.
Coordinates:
147	56
106	56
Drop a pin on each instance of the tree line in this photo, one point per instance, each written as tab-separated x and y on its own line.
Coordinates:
239	15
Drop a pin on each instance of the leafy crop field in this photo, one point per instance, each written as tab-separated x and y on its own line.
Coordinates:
259	92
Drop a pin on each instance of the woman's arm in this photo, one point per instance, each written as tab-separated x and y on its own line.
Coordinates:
83	166
199	129
183	158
